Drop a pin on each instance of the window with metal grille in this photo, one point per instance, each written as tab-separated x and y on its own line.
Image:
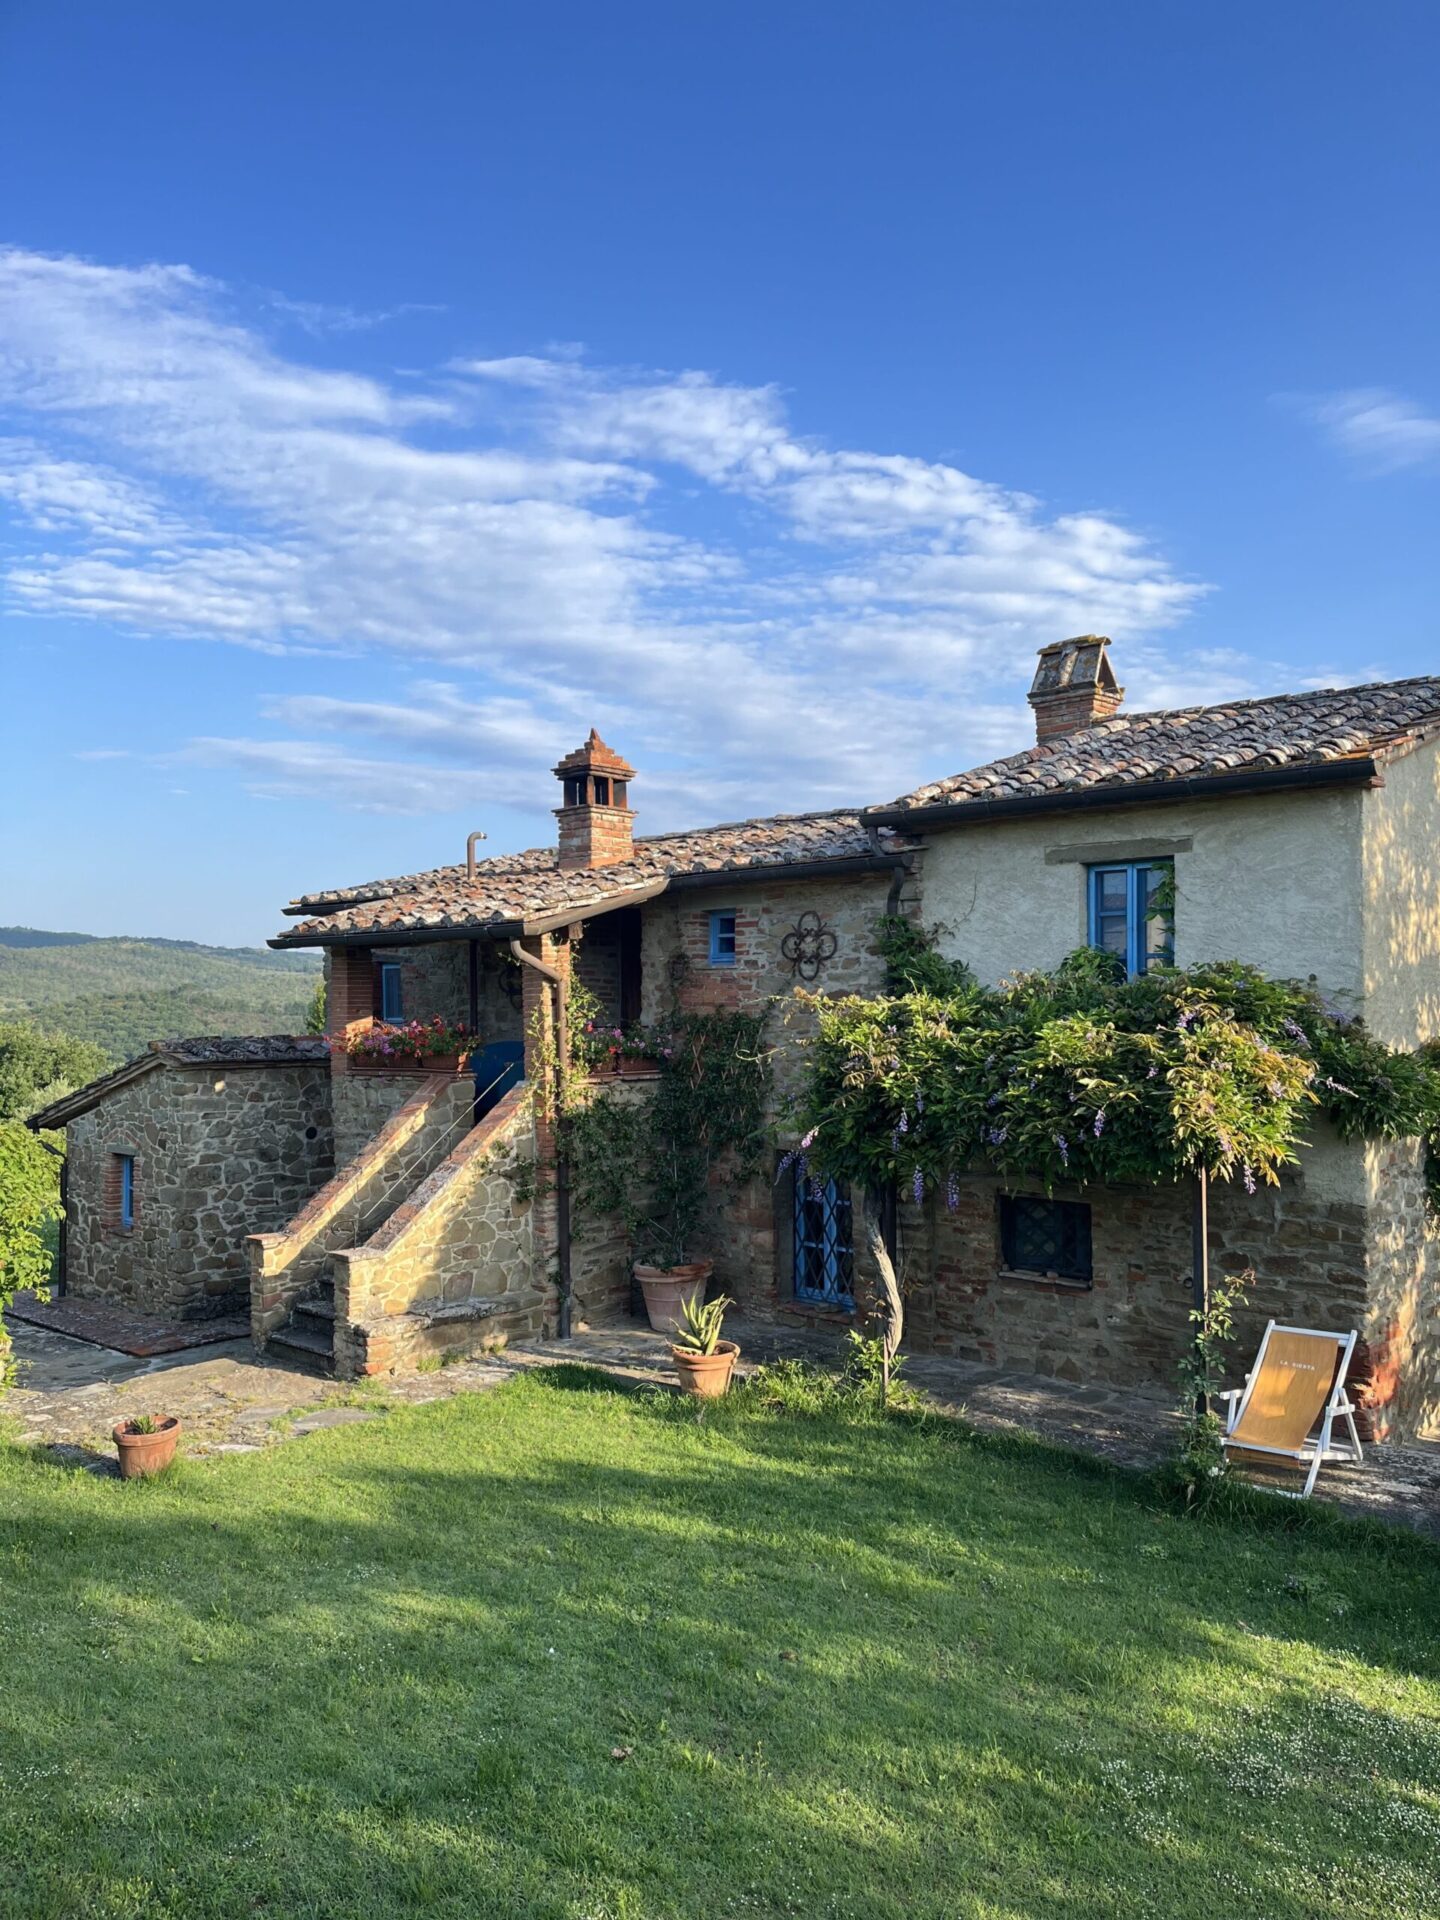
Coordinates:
1049	1238
824	1246
1130	915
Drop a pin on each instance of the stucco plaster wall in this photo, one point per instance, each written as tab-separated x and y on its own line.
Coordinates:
1401	864
1272	879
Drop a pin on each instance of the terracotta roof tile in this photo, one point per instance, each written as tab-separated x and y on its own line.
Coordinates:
202	1050
1196	743
522	886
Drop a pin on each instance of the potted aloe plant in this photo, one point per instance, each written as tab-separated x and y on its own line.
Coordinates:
703	1360
145	1444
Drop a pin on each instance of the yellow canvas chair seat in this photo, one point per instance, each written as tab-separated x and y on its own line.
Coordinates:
1291	1399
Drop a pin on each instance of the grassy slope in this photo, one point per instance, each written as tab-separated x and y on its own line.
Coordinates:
125	993
870	1672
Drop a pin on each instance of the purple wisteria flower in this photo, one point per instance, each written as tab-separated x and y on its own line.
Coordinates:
1295	1031
993	1101
1186	1020
997	1136
809	1140
1152	1073
917	1186
1064	1145
1248	1173
1336	1086
952	1192
1099	1127
902	1125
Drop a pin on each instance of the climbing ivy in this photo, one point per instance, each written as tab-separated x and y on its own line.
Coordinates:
651	1159
1082	1075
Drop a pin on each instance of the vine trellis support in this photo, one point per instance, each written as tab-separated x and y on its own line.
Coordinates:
1200	1267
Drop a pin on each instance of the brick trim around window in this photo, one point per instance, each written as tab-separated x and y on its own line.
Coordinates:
113	1196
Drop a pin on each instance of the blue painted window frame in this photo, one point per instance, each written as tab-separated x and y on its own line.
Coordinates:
722	937
127	1189
824	1249
1142	949
392	992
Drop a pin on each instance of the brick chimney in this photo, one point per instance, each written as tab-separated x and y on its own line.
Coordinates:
596	824
1074	686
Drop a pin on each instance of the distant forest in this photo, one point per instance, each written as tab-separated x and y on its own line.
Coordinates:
120	994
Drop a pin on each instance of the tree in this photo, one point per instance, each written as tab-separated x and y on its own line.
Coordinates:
315	1018
29	1207
38	1067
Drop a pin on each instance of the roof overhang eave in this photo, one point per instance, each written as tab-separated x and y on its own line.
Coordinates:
1359	771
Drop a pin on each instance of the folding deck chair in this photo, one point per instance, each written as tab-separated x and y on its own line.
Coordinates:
1298	1380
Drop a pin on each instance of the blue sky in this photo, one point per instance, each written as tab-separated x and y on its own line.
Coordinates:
387	396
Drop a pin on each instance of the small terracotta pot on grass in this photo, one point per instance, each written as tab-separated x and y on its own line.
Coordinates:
142	1453
666	1290
707	1374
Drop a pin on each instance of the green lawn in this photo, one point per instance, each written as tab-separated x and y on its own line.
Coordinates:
851	1669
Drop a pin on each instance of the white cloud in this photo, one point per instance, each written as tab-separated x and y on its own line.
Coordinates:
1381	429
758	619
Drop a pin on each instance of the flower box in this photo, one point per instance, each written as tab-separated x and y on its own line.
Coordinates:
403	1063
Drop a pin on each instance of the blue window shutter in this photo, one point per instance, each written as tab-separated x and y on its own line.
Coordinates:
127	1190
392	999
722	938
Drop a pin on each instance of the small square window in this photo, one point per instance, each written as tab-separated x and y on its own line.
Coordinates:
392	992
125	1166
722	939
1049	1238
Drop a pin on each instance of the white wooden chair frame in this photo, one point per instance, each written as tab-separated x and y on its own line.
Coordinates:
1319	1446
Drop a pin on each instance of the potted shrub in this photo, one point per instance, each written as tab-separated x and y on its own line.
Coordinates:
146	1445
703	1360
665	1235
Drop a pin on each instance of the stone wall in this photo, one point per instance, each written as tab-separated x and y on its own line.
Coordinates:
453	1267
364	1102
289	1263
218	1152
1403	1294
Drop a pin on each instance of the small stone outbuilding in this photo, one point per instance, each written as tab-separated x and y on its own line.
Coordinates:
176	1156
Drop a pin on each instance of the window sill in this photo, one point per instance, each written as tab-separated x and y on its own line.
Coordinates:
1045	1282
818	1310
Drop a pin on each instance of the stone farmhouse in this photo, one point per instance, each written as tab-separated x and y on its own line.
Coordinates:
379	1214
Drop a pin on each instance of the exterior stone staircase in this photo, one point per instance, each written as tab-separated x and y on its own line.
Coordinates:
307	1339
418	1247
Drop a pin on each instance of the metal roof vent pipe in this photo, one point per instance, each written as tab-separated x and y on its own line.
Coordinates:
470	853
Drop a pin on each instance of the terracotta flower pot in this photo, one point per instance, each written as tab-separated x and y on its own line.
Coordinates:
666	1290
707	1374
142	1453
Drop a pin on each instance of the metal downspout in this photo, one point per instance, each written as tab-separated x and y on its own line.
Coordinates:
562	1165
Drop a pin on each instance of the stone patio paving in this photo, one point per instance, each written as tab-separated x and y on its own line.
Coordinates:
232	1400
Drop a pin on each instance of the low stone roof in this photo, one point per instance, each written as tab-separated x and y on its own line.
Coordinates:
202	1050
514	888
1198	744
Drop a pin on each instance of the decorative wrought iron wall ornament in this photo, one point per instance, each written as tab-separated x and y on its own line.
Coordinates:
808	945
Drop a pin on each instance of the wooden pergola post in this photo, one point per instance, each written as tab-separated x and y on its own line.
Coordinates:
1200	1266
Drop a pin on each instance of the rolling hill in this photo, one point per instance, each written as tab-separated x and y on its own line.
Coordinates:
123	993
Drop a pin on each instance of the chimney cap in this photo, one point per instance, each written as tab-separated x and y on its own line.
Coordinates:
594	757
1068	665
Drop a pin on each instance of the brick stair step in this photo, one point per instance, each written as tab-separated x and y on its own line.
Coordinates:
312	1348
